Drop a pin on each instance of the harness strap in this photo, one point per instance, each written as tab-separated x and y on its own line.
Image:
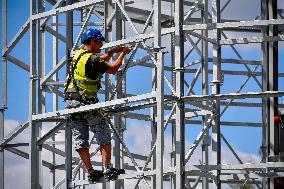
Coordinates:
71	74
81	92
85	82
88	93
71	90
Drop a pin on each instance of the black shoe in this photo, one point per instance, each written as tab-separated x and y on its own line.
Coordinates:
94	175
112	173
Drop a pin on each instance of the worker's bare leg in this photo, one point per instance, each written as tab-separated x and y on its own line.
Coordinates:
106	154
85	157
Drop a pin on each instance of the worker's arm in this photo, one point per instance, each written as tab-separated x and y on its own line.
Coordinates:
114	67
109	54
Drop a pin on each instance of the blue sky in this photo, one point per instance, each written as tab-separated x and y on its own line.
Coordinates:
246	140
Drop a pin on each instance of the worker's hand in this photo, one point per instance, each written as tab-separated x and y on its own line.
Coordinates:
127	50
117	49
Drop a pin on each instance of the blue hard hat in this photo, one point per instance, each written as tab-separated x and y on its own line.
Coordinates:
92	34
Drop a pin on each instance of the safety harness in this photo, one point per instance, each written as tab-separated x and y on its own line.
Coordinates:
76	93
70	76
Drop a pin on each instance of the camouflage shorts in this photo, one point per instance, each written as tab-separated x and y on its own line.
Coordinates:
81	123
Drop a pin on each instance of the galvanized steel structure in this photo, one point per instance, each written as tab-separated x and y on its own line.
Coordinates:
172	31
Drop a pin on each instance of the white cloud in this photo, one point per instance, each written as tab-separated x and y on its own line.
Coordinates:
10	125
15	170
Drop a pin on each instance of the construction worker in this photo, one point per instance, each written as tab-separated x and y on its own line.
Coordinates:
81	88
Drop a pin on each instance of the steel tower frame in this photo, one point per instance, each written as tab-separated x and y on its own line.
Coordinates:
171	101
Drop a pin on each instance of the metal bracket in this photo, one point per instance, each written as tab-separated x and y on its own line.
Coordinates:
4	107
216	82
140	175
158	49
180	101
179	70
33	77
71	184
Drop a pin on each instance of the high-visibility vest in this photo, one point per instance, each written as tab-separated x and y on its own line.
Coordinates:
88	87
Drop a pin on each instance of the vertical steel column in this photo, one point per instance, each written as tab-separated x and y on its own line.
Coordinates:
160	121
173	155
108	29
173	152
179	68
34	130
108	38
40	74
68	133
264	149
117	148
159	95
272	78
84	13
4	88
153	111
153	121
54	96
204	70
273	132
216	140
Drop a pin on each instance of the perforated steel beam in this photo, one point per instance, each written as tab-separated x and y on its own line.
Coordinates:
4	89
179	84
35	179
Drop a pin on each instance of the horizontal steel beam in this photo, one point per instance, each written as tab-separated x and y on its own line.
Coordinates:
226	25
246	166
57	11
237	61
252	40
234	96
210	71
108	104
78	24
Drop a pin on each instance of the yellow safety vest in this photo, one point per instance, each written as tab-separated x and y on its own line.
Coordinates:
88	87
